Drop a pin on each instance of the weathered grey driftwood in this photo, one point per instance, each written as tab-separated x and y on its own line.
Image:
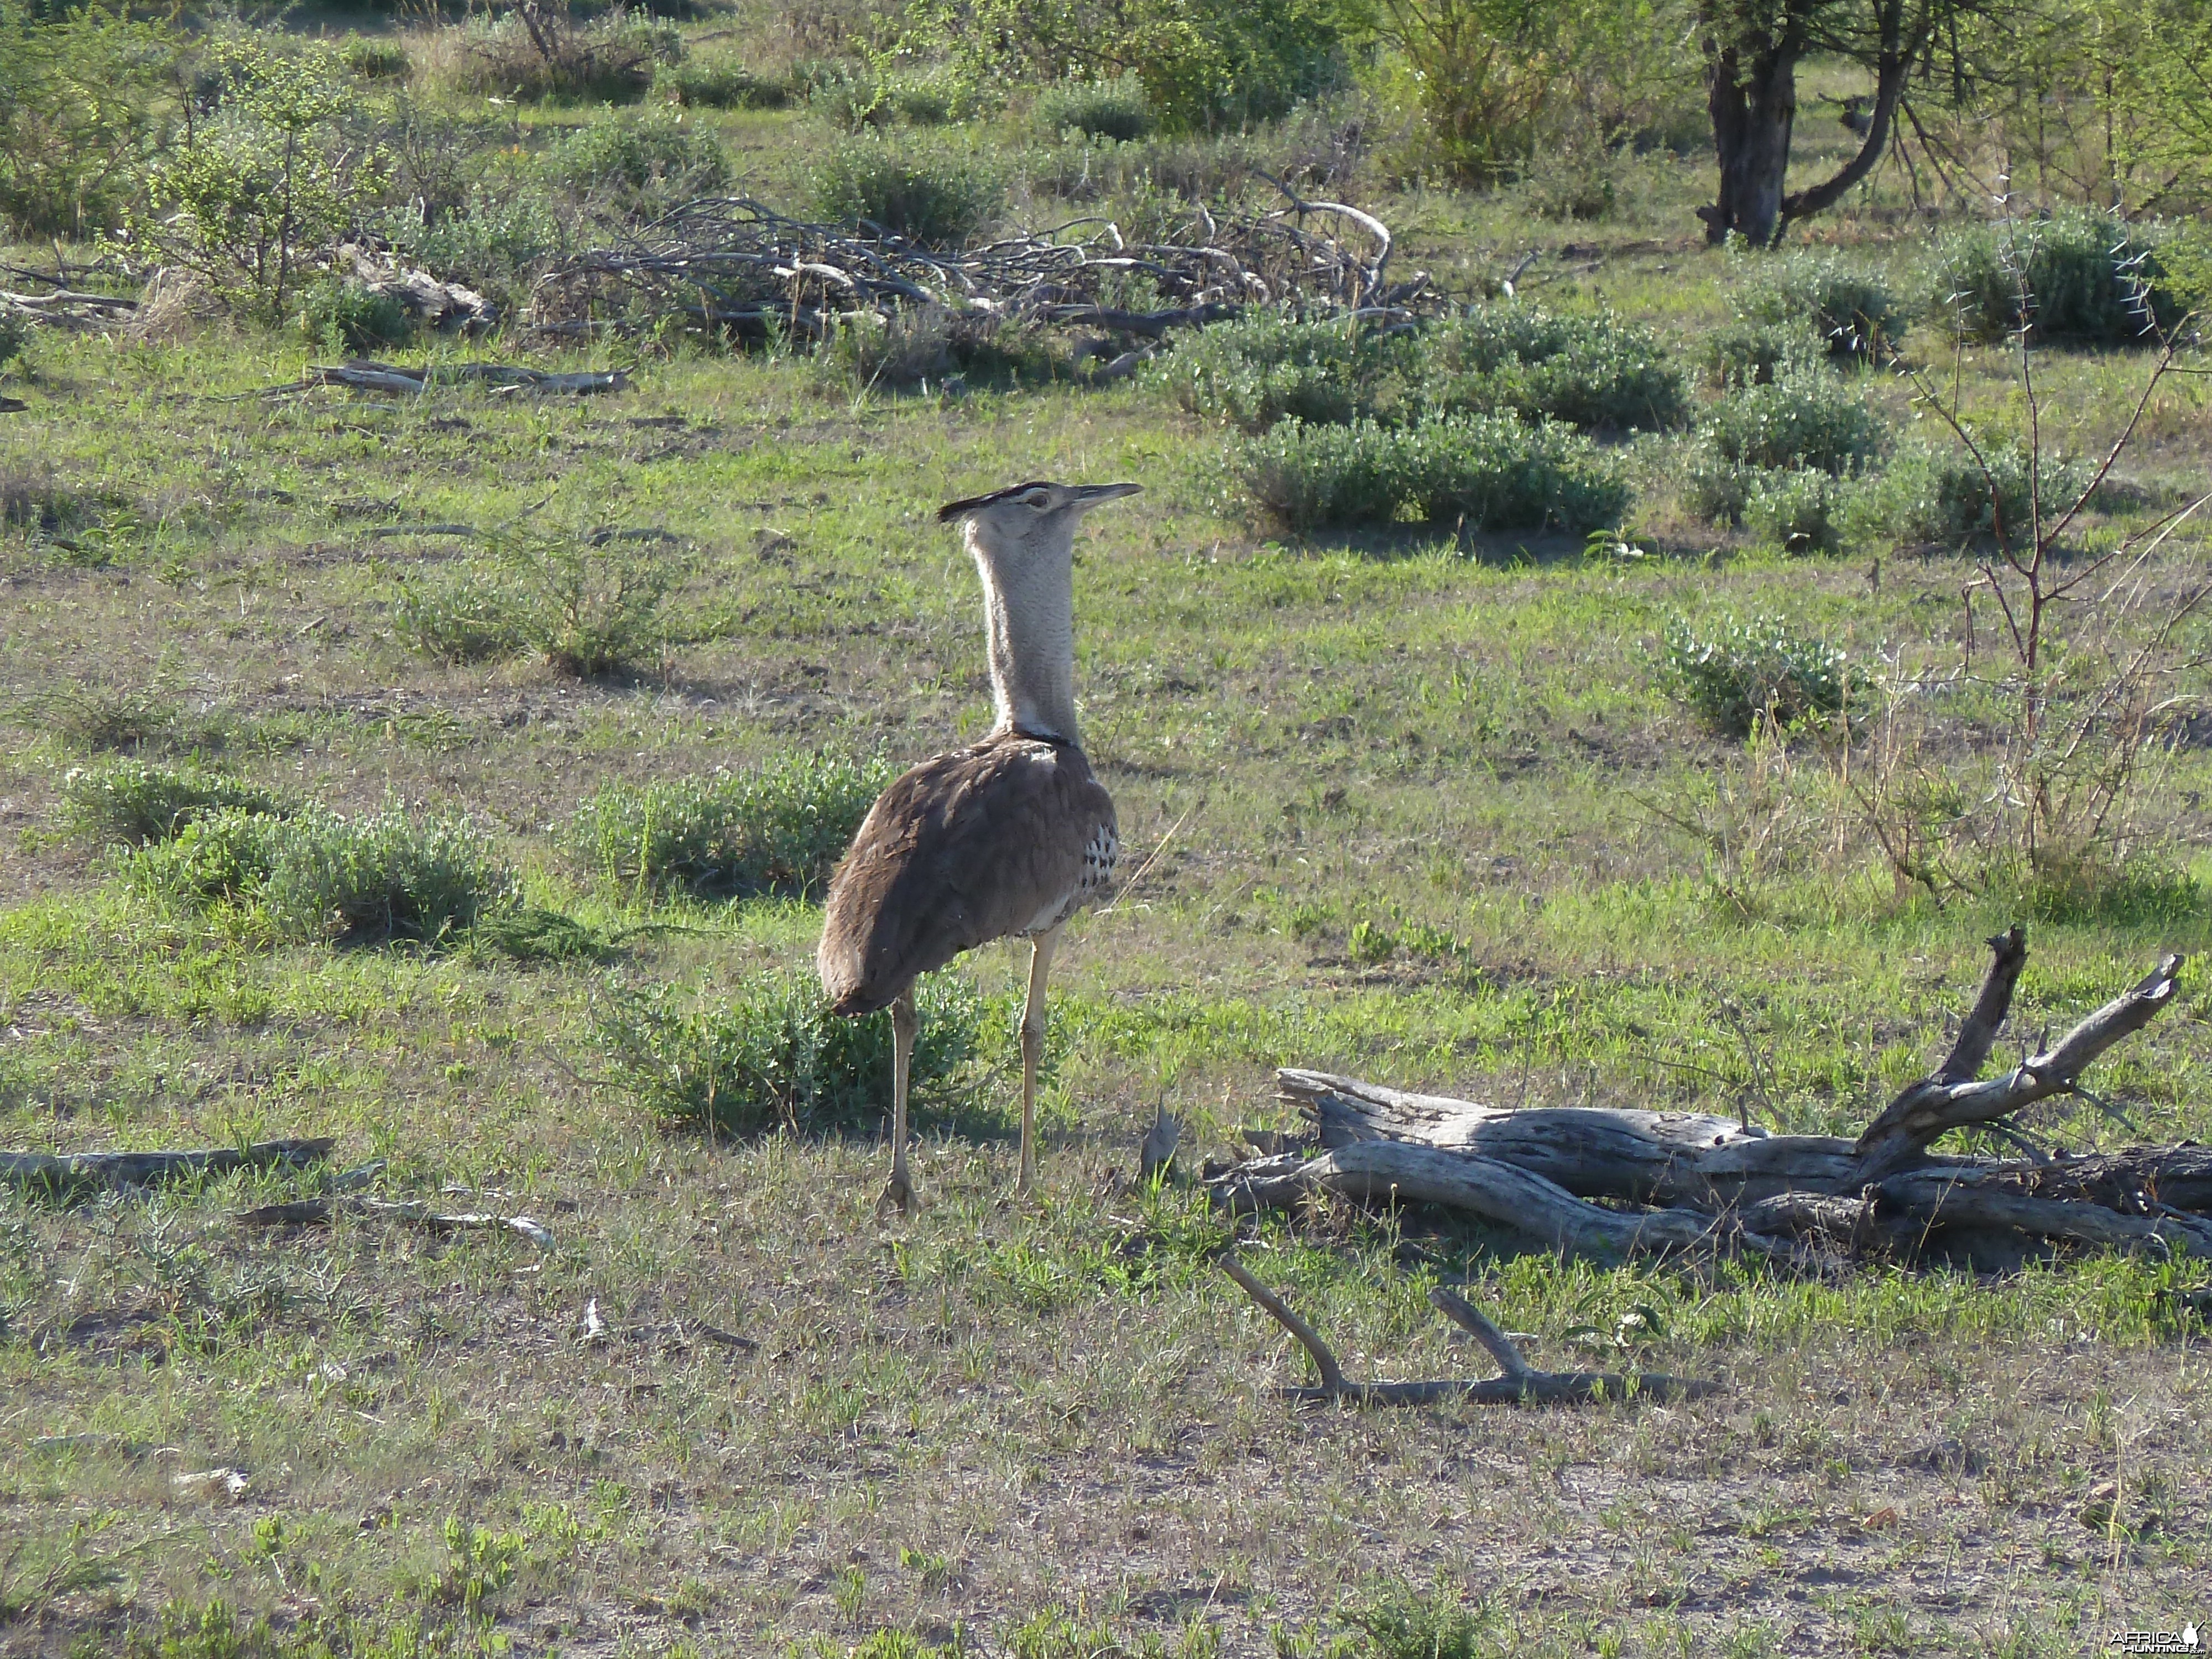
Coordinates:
75	1172
1520	1383
1951	1099
1635	1181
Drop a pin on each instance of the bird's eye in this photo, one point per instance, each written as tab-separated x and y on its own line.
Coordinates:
1037	499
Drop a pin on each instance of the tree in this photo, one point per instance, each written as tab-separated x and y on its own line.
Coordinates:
267	184
1753	48
86	96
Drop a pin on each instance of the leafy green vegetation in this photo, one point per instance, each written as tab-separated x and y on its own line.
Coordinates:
779	827
775	1057
1489	473
136	802
1763	673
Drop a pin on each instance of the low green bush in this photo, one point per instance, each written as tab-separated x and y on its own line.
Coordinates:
1484	473
719	84
493	242
375	57
1759	673
2088	282
221	856
347	316
1263	368
1795	422
14	335
938	195
611	60
1118	110
389	875
136	802
779	827
1852	310
1571	182
1795	511
635	161
1741	354
588	606
1938	493
772	1055
386	877
1511	358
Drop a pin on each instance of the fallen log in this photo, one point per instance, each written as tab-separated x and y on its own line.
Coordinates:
1518	1383
317	1212
1627	1180
71	1172
499	379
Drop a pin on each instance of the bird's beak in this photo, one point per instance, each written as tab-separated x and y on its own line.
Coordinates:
1090	496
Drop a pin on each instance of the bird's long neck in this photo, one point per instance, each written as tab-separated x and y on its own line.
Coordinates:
1029	612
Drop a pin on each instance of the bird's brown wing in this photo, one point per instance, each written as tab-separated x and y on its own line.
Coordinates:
965	848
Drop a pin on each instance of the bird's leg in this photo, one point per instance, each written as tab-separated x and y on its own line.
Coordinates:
1032	1052
899	1192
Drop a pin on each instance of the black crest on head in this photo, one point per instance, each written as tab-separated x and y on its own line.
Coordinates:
953	510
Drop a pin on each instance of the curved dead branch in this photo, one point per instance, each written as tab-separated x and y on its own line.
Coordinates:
1521	1384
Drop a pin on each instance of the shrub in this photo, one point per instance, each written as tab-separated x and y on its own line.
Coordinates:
1484	472
375	57
1587	371
1403	1623
1801	420
1206	64
1793	511
719	84
1938	493
1762	672
1265	367
14	335
1850	309
391	875
492	242
1743	354
613	60
778	827
1570	181
224	856
2088	281
1118	111
911	346
636	160
1718	490
587	606
936	196
347	315
136	802
267	184
773	1055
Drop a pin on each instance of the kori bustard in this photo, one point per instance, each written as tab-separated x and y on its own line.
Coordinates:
1004	839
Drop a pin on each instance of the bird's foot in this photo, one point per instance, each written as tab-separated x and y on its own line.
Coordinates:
898	1194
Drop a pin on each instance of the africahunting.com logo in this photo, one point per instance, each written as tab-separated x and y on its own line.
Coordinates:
2185	1640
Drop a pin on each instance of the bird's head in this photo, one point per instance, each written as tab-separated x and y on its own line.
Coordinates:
1029	517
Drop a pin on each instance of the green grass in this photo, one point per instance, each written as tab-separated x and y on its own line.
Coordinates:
1409	800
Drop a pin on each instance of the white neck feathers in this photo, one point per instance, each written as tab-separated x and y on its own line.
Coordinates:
1028	614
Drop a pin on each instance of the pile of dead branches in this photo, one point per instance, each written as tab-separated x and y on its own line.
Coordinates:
732	265
1619	1182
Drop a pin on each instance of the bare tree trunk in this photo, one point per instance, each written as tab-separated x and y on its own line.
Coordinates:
1751	89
